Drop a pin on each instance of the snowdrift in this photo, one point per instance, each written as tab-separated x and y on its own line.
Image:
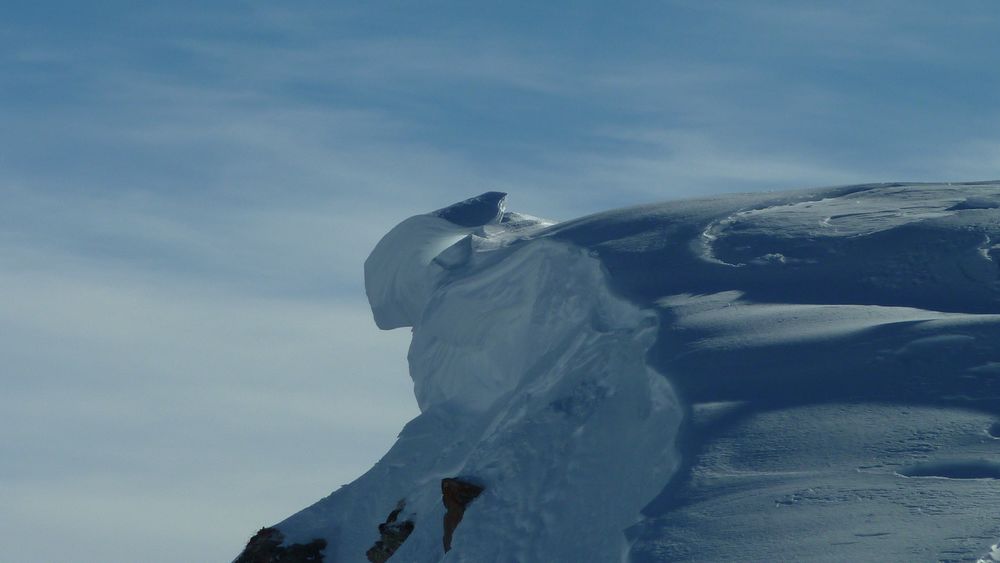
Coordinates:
800	376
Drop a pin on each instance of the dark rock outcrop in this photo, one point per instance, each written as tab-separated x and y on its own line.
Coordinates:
265	547
456	495
393	534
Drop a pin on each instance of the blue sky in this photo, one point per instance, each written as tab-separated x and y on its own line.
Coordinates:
189	190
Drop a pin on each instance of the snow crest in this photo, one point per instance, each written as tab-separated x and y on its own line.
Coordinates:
525	366
400	274
835	349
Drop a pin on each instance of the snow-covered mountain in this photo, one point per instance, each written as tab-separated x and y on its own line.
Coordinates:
799	376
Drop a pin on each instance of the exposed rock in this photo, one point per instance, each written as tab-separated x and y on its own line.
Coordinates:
456	495
393	534
265	547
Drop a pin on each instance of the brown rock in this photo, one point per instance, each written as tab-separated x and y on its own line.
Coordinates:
456	495
265	547
392	533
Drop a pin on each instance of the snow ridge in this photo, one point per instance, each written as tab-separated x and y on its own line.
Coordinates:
524	364
793	376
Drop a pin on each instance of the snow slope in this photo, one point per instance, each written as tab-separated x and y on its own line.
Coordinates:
808	375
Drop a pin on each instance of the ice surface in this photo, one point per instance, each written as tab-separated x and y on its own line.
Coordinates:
802	376
476	211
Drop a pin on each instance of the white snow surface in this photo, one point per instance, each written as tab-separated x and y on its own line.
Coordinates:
805	376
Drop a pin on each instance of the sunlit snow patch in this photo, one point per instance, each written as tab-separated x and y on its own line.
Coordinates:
824	343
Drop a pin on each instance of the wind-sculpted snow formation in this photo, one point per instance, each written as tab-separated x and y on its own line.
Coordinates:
800	376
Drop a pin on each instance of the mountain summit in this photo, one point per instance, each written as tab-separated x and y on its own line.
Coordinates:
798	376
